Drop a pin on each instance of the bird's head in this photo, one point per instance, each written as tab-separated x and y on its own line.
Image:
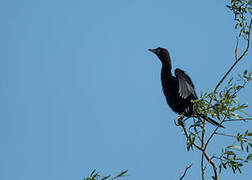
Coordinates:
162	54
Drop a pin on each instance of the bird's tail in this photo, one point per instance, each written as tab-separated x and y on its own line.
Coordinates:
213	122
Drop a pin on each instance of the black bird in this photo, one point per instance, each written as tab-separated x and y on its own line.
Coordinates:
179	89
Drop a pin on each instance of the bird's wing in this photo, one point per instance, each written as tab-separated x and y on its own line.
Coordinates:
186	87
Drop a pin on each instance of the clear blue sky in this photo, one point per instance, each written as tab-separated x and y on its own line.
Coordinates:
79	90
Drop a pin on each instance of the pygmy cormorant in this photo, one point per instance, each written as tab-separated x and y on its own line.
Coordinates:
179	89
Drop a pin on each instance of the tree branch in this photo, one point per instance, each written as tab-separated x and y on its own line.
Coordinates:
187	136
188	167
236	61
203	147
210	160
222	134
202	167
211	136
241	119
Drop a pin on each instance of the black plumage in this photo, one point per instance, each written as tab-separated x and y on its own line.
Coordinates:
179	89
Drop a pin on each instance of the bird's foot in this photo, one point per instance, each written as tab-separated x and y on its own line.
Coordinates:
179	120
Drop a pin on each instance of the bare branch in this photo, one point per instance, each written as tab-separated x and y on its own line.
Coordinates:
188	167
204	144
231	68
210	160
222	134
241	119
203	147
211	136
202	167
236	48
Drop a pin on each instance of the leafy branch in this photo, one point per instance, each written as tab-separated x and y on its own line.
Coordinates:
230	157
96	176
224	105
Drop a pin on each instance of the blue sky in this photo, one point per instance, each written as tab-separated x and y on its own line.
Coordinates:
79	90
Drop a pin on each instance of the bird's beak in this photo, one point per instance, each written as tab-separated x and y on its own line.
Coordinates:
152	50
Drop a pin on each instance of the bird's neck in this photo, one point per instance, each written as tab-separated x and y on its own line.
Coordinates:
166	69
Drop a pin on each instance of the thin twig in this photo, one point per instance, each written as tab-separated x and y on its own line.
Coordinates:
207	142
241	119
211	136
213	95
222	134
210	160
203	147
236	48
187	136
202	167
224	77
188	167
231	68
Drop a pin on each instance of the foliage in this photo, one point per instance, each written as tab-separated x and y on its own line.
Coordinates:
226	104
231	155
222	105
96	176
226	108
241	9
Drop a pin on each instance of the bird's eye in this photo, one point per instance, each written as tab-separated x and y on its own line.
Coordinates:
158	51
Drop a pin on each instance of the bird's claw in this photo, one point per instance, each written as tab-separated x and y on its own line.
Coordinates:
179	120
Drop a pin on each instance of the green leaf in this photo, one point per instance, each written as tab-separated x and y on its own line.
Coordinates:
233	147
92	173
121	174
245	72
220	168
249	157
224	165
242	143
246	133
250	134
233	169
106	177
239	170
230	153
